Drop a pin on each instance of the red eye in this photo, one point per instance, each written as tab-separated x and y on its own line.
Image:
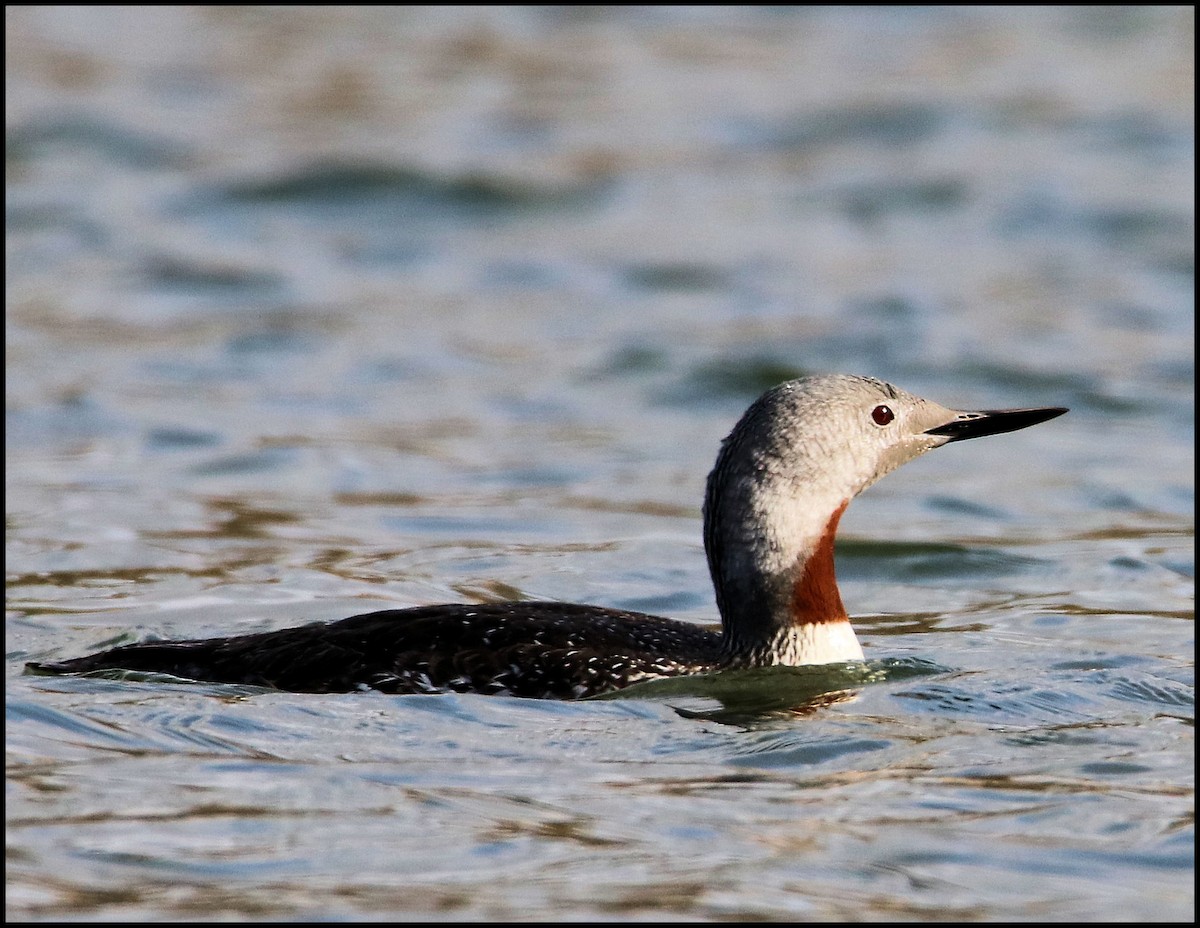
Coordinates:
882	415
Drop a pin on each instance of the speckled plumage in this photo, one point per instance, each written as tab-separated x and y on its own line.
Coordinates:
782	479
535	649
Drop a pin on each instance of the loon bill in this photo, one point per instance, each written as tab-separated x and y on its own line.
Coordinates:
782	480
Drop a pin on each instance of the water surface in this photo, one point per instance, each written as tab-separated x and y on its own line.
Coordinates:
311	312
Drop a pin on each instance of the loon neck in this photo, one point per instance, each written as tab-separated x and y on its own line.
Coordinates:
784	607
815	597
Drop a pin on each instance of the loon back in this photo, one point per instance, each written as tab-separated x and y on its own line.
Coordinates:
533	649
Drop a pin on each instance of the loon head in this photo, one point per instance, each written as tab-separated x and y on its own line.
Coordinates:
782	480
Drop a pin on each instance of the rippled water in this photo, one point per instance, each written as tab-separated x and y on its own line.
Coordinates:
314	311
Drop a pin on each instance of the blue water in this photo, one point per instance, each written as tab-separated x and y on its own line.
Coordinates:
314	311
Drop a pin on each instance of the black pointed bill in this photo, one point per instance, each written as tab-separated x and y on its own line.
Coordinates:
994	422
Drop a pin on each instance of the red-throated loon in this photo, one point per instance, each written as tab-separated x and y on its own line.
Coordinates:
782	480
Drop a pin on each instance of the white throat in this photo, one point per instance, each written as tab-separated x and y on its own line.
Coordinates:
812	643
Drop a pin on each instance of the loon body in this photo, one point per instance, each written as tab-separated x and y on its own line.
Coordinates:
782	480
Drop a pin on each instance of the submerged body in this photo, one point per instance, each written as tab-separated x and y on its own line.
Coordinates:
782	480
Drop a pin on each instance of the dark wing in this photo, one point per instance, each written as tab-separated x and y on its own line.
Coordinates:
536	649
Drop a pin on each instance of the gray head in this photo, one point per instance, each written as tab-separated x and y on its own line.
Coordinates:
783	478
